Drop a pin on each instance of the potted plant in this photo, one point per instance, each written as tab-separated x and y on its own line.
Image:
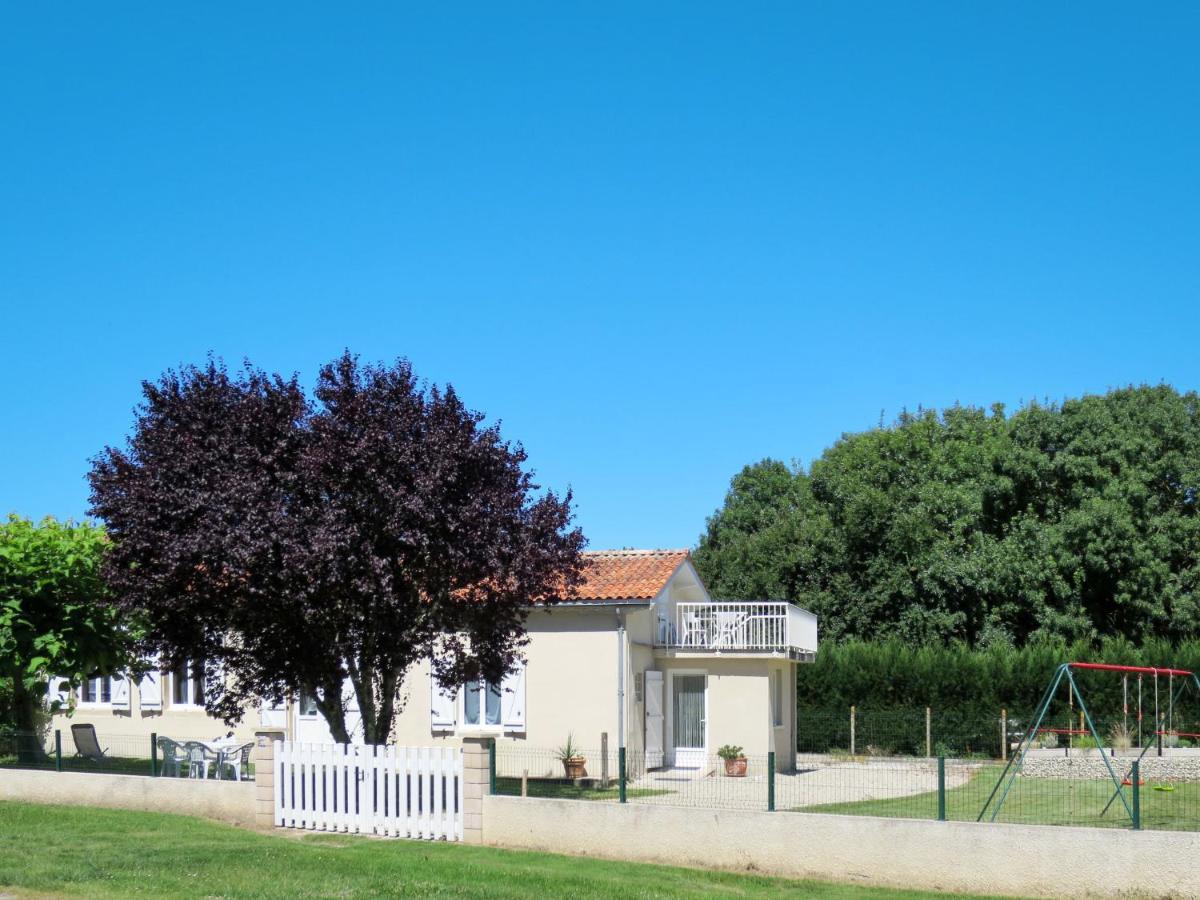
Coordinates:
572	760
735	760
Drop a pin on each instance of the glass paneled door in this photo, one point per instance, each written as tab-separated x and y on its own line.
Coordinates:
688	720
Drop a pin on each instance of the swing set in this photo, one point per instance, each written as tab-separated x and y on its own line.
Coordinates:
1164	726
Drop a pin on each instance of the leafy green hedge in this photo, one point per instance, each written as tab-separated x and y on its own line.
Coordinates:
892	682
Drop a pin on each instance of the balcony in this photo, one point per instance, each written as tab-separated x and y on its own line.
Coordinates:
774	628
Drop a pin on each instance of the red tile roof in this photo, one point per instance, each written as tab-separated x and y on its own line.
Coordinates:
627	574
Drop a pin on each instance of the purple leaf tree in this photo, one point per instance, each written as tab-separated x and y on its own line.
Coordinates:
298	545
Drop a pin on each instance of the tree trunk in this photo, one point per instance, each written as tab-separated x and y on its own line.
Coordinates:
27	707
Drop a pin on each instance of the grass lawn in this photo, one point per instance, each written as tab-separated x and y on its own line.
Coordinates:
1041	801
84	852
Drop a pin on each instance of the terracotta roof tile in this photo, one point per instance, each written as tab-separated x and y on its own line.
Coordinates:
627	574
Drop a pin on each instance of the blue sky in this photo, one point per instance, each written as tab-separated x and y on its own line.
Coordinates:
657	244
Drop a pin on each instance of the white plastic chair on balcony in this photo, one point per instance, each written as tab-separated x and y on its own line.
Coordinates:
730	631
693	629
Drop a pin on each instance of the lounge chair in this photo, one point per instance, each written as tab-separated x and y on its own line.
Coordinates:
86	743
174	756
237	760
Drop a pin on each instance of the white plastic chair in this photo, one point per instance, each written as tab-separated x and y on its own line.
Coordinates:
236	759
200	757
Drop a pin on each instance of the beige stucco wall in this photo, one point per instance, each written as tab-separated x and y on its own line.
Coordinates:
954	856
128	731
570	681
738	697
224	801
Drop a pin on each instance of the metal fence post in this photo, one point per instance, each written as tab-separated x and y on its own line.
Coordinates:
941	772
1137	798
154	754
621	774
771	781
928	731
1003	733
492	766
57	750
853	715
604	759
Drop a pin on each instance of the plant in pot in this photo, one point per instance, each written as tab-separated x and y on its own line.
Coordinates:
573	761
735	760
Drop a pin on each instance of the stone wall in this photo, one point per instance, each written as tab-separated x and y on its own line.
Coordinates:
1151	768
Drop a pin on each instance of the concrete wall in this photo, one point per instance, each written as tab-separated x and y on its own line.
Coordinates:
955	856
225	801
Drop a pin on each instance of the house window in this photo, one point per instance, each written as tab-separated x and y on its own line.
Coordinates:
481	704
777	698
187	684
96	690
308	704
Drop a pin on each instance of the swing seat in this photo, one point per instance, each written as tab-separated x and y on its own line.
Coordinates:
1129	783
1165	788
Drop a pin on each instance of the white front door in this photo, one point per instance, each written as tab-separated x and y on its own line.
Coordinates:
654	719
689	719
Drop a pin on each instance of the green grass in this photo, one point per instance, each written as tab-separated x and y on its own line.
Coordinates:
83	852
1041	801
565	790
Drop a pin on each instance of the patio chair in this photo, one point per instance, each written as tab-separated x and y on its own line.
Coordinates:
200	757
236	760
693	629
174	755
730	630
86	743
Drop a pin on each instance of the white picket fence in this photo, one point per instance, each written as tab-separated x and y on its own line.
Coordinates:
408	792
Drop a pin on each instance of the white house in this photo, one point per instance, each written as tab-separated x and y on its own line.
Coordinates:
641	654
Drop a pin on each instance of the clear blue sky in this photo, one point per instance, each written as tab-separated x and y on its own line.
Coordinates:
657	245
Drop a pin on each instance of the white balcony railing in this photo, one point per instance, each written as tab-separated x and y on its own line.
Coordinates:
774	627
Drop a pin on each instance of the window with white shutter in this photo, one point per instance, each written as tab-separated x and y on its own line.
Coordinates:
150	690
58	693
443	706
120	692
512	693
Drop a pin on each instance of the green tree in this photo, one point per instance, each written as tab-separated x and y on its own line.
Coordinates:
53	618
1072	521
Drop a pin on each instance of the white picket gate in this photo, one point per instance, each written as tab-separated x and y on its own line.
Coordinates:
409	792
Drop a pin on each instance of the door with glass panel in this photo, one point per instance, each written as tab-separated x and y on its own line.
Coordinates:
689	717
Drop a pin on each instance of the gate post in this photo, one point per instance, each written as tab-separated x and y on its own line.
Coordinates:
476	775
263	757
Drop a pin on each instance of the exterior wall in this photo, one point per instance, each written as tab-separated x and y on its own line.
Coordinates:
226	801
123	725
955	856
784	736
739	709
570	684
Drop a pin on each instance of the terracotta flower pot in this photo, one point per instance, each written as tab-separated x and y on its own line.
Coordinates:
736	768
575	767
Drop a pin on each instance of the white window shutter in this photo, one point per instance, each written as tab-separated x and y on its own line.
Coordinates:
57	692
443	706
120	692
150	690
512	702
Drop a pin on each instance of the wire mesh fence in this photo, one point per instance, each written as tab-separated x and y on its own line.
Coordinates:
109	754
1056	786
911	731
